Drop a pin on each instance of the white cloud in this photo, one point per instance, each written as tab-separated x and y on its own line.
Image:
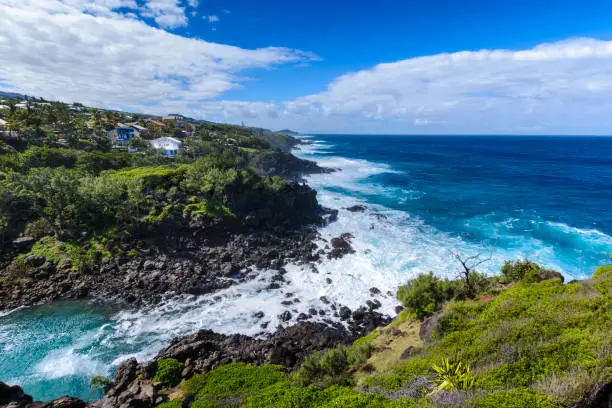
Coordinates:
212	18
193	3
560	87
55	50
166	13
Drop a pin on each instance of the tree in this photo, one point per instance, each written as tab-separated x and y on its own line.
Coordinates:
468	274
53	193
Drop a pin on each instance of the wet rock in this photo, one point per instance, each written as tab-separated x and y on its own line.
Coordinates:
258	315
13	395
357	208
374	291
324	300
328	281
399	309
344	313
341	246
285	316
312	311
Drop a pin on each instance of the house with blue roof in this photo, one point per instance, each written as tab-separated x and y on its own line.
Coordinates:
121	135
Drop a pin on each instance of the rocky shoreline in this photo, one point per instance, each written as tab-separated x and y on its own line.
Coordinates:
192	256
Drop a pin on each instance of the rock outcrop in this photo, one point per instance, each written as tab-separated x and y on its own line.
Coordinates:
14	397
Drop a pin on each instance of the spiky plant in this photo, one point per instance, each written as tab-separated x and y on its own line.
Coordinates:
452	376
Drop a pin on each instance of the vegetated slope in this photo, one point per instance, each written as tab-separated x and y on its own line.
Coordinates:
527	340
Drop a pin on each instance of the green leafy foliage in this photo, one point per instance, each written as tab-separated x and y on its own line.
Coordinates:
332	362
236	380
168	372
452	376
100	382
424	294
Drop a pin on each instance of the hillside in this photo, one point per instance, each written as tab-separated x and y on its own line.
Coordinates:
521	343
87	198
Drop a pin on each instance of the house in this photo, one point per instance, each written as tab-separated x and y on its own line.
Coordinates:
138	130
21	105
121	135
179	120
157	123
168	146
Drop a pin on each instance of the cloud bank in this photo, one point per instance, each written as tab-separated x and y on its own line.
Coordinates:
84	51
113	53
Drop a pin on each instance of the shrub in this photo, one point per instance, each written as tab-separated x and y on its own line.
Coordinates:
39	228
515	271
234	379
452	376
601	270
100	382
169	372
424	295
479	283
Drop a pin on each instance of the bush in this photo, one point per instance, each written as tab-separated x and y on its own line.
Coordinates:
39	228
425	294
516	271
99	382
479	283
233	379
169	372
601	270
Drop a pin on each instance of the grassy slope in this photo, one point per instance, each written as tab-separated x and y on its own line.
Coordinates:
531	345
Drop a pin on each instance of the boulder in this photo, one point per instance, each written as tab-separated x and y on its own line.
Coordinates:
34	261
546	274
357	208
13	395
341	246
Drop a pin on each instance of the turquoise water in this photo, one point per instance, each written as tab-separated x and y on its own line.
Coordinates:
52	350
544	198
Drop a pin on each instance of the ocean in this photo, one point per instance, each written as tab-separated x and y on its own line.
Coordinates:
427	197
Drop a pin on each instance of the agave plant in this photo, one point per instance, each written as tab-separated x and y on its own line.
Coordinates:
452	376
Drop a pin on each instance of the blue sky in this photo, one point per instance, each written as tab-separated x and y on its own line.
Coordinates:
354	35
539	66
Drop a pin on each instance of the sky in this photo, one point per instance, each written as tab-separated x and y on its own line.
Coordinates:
334	66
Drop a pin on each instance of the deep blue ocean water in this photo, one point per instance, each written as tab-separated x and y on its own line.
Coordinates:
543	198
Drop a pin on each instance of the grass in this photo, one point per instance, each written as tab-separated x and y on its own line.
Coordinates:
69	253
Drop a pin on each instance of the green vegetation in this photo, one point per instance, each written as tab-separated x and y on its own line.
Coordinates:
515	271
523	340
425	294
452	376
168	372
528	344
99	382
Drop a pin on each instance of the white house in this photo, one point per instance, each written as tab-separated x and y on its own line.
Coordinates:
138	130
168	146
